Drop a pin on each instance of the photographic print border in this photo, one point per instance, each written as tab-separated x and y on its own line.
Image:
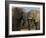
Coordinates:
7	17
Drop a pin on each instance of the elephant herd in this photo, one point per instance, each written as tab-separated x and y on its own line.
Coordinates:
22	20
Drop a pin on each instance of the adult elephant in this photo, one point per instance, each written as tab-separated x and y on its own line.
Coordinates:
16	18
34	20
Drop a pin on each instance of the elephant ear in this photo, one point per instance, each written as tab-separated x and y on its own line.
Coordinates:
35	15
38	16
